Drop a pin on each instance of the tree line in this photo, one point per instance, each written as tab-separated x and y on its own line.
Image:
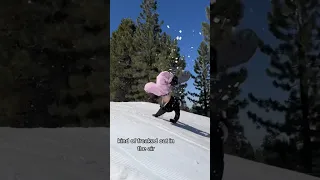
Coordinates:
292	143
54	64
142	50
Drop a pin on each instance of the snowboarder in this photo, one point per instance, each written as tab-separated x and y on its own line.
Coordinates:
161	92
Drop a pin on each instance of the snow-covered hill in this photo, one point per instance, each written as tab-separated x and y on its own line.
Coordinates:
83	153
187	159
238	168
54	154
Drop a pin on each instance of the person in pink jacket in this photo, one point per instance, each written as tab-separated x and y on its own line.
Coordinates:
161	91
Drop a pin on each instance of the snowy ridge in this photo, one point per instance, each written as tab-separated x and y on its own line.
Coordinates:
186	159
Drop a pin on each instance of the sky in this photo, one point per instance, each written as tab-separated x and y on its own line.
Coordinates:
177	15
188	17
258	83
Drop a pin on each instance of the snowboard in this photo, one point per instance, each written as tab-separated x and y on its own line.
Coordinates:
183	77
166	120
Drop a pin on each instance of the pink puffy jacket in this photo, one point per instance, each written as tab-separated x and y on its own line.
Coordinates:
162	86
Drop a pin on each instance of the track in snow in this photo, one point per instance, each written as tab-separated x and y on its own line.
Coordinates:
186	159
83	153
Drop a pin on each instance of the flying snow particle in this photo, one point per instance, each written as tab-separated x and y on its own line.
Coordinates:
216	20
188	56
236	85
225	97
200	33
180	31
168	26
176	58
178	37
191	47
176	61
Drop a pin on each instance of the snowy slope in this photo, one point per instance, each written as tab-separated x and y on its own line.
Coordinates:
239	168
54	154
187	159
83	153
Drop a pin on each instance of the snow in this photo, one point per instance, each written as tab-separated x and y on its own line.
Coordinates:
178	38
188	158
84	153
239	168
53	154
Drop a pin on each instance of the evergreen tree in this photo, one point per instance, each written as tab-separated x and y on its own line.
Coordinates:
80	51
201	99
121	61
165	58
48	48
202	81
206	27
26	90
225	96
294	67
281	152
226	87
147	48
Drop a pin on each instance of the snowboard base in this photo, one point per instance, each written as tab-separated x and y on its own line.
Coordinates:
166	120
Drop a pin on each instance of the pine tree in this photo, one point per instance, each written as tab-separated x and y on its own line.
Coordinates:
225	95
206	27
26	91
165	58
281	152
202	81
78	44
294	66
147	48
226	87
121	58
201	99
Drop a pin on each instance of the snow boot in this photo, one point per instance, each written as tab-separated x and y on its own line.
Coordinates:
174	120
